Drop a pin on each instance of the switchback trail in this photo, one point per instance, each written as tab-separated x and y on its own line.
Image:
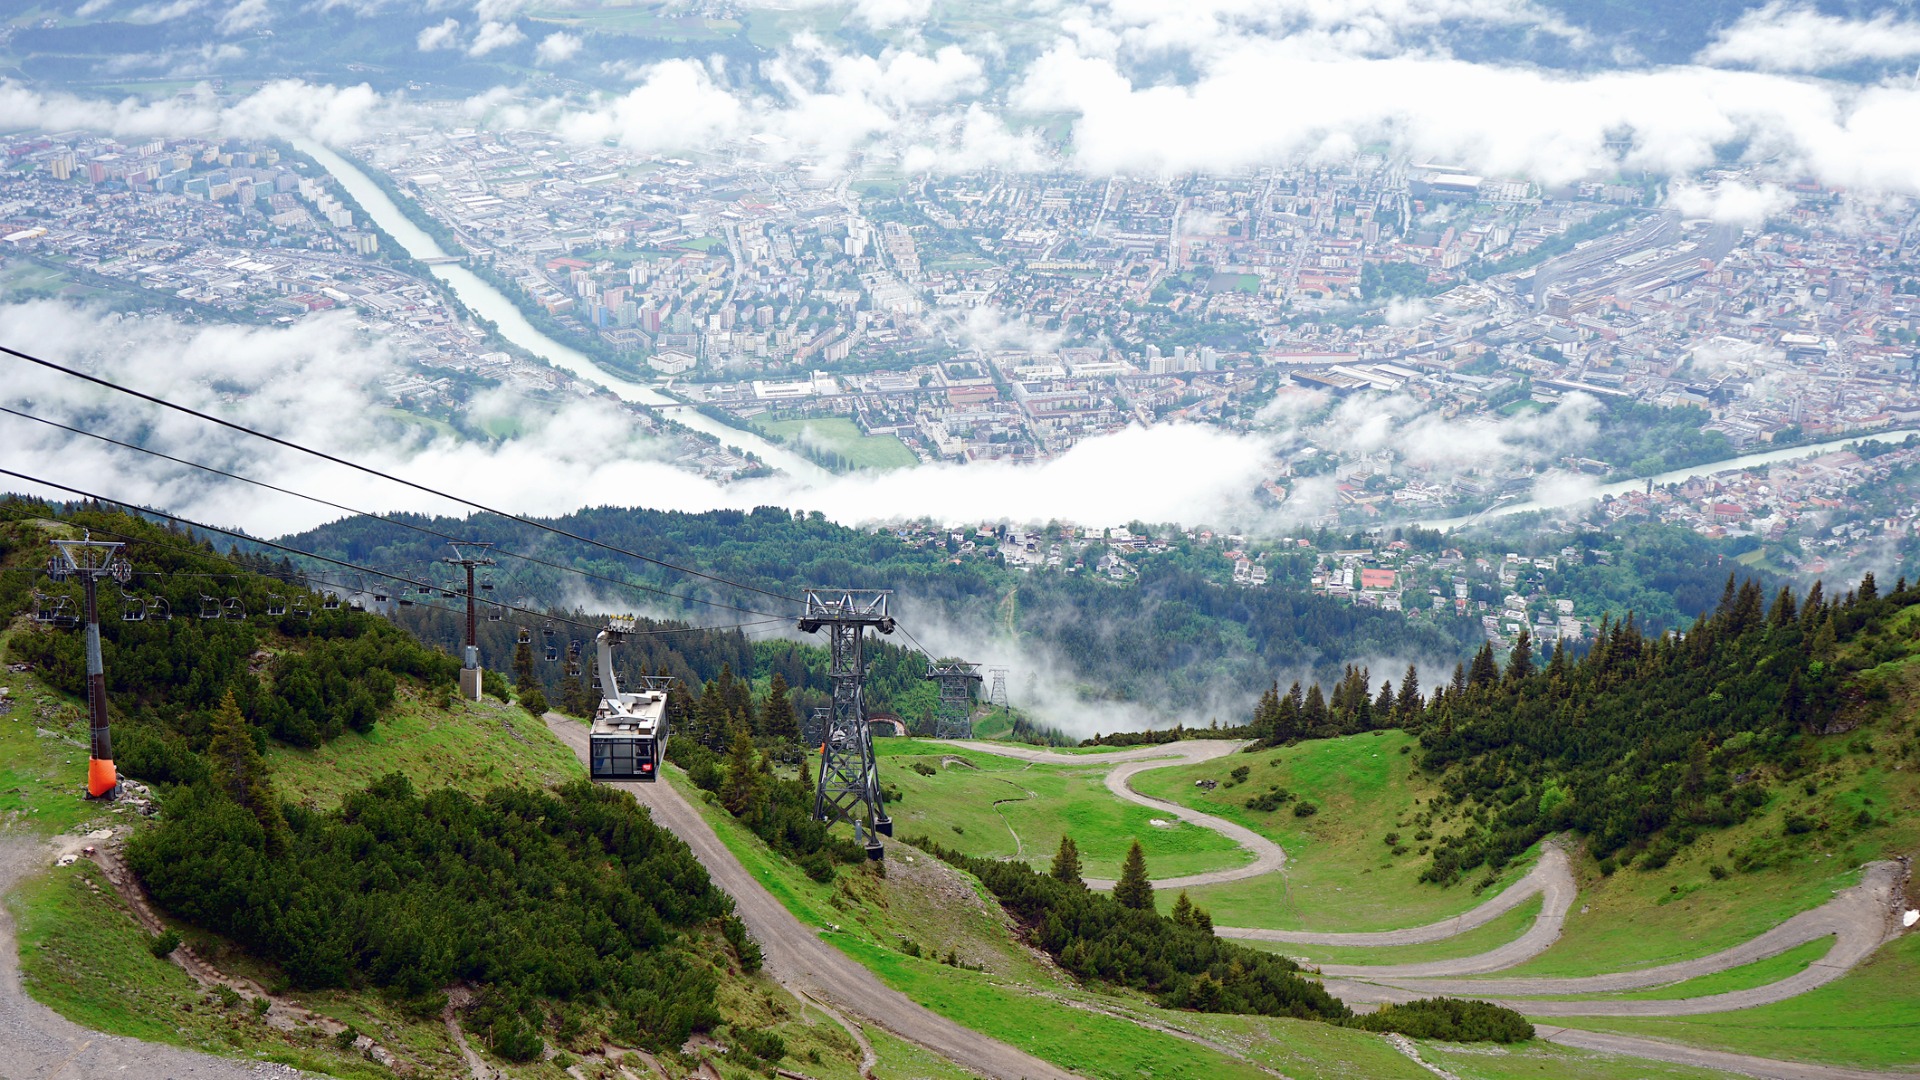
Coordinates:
1267	855
799	960
1552	875
1859	919
37	1043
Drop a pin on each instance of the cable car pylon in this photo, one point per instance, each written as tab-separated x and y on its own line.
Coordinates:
953	717
93	560
849	784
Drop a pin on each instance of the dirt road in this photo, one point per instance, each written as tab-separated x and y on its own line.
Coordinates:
800	960
37	1043
1859	919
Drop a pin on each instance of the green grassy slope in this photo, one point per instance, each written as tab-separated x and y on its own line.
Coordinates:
474	745
998	807
1341	875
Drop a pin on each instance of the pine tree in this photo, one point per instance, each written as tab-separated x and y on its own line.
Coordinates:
777	718
1313	715
1183	910
240	772
1782	613
1286	716
741	793
1133	889
1383	704
1868	588
1520	660
1410	704
1486	670
1066	862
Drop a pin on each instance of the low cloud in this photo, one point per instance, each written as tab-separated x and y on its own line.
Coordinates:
1797	37
443	35
243	16
556	48
1730	202
495	35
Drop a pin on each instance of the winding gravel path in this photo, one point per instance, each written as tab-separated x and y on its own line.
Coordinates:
796	956
1552	875
37	1043
1859	919
1267	855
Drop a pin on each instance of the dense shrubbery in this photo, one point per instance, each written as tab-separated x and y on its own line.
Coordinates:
1181	963
1450	1019
571	900
779	811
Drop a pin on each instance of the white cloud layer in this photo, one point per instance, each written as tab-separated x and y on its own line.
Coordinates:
1729	202
1796	37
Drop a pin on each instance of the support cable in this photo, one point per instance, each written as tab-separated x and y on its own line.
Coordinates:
371	471
381	517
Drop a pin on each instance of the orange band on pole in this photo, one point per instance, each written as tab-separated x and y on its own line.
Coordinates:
101	777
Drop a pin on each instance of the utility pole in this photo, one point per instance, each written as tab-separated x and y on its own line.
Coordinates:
953	719
998	695
92	560
470	555
849	785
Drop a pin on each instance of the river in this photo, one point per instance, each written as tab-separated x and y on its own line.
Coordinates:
487	302
1676	476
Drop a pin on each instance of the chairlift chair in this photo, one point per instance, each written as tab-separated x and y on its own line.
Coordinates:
524	637
209	607
234	609
42	607
379	598
300	608
404	602
158	608
276	604
132	608
356	604
330	600
553	652
486	584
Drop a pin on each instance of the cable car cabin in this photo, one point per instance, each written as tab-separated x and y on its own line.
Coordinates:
629	737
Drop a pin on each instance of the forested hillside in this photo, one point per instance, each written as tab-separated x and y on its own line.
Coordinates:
1646	743
1174	635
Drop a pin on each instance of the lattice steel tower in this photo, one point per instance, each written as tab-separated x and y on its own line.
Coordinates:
953	718
849	787
998	695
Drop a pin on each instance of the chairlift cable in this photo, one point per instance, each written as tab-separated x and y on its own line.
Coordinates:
379	517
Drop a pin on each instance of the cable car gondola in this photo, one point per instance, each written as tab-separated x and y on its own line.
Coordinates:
629	730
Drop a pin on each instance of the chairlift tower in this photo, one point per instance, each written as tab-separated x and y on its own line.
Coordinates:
998	694
470	555
93	560
849	785
953	717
